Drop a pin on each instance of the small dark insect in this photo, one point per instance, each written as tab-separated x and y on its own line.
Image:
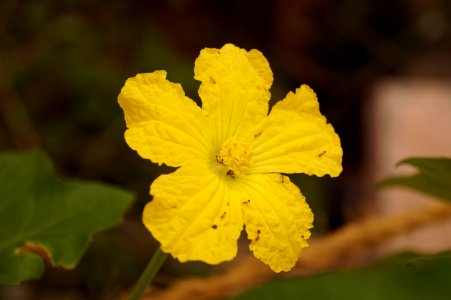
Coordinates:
282	178
214	226
257	134
322	153
247	202
223	215
219	161
231	173
258	235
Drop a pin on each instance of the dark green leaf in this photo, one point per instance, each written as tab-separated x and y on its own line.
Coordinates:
418	281
47	218
433	177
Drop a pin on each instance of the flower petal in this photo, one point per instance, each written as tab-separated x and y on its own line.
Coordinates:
295	138
277	219
163	124
193	216
235	87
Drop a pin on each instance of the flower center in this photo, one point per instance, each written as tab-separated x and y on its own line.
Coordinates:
235	154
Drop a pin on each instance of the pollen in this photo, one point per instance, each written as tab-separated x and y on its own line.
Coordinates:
235	155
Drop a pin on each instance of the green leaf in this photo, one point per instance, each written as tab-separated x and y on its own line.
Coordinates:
423	281
45	218
434	177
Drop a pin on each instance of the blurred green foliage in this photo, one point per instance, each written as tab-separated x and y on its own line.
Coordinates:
46	218
410	282
433	177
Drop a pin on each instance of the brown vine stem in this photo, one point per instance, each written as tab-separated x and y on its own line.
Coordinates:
346	247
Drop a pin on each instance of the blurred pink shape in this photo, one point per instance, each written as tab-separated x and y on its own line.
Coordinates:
408	118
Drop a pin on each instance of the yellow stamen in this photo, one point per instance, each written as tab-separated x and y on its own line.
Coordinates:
235	154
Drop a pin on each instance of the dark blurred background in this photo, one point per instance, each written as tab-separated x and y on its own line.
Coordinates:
63	63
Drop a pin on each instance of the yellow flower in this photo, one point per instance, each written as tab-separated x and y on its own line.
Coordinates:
230	153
